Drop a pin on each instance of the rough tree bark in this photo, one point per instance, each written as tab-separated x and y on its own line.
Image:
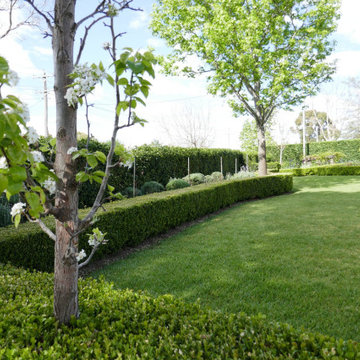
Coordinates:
66	266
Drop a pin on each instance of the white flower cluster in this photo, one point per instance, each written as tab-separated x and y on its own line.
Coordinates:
106	45
81	255
25	113
96	238
17	208
3	163
50	185
32	135
85	81
38	156
71	150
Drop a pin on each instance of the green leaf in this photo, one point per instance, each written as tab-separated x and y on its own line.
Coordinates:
110	188
123	81
100	156
122	105
17	174
34	201
133	103
145	90
3	183
92	161
110	80
82	176
136	68
99	173
17	220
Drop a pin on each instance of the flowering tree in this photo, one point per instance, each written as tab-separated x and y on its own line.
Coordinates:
52	188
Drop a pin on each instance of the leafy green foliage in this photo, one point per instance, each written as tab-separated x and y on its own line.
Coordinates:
151	187
166	328
130	222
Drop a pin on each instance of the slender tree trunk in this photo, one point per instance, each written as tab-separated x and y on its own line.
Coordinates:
261	148
66	267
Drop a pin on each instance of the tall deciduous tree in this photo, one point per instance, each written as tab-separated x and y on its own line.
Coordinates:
29	174
262	54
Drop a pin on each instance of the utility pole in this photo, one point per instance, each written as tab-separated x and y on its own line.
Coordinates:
46	105
304	130
46	119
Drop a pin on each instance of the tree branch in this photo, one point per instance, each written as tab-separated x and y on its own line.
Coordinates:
45	17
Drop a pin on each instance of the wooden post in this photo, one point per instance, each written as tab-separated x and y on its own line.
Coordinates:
221	165
134	180
189	168
247	162
235	166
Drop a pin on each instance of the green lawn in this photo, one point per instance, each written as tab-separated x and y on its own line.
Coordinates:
294	258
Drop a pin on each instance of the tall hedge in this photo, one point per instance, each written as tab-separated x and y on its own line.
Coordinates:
131	221
294	153
160	163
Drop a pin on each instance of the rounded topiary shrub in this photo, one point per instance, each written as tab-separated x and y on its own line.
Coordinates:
129	192
176	184
217	176
195	179
152	187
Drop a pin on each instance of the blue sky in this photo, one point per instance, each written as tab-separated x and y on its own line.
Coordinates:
30	55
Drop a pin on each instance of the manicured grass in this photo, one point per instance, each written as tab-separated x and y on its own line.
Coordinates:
294	258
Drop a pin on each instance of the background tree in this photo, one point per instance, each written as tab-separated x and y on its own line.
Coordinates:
318	127
352	114
262	54
189	127
248	136
29	174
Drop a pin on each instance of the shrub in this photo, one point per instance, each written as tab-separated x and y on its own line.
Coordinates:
122	324
273	166
129	192
131	221
151	187
242	175
195	179
324	170
5	217
174	184
217	176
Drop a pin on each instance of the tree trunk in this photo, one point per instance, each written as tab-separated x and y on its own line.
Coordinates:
261	148
66	266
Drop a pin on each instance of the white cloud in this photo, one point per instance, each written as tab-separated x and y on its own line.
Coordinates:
349	21
155	43
43	51
348	63
140	21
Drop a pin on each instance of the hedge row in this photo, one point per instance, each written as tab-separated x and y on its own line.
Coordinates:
326	170
160	163
131	221
293	153
117	324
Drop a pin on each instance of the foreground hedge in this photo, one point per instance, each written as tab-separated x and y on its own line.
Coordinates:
131	221
117	324
326	170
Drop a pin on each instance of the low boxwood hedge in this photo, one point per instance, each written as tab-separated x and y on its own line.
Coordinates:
326	170
123	324
129	222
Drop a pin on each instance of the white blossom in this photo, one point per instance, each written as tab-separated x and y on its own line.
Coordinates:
32	135
3	163
106	45
50	185
85	81
71	150
25	113
81	255
96	238
38	156
17	208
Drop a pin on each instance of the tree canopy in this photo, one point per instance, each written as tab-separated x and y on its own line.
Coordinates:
262	55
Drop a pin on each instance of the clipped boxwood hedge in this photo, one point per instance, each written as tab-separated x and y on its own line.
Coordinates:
130	222
326	170
123	324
